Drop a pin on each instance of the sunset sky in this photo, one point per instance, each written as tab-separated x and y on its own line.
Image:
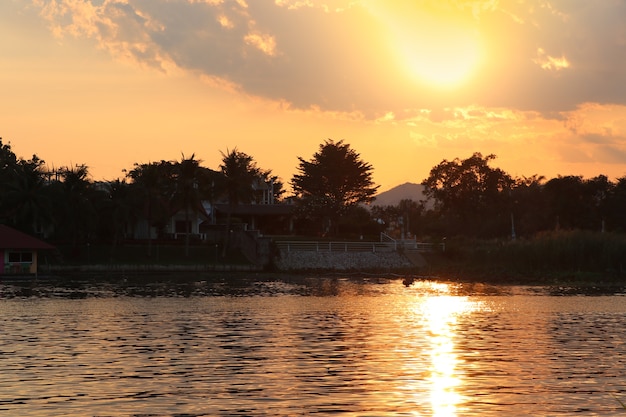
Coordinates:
107	83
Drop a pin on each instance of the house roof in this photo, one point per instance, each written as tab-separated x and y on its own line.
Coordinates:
256	209
14	239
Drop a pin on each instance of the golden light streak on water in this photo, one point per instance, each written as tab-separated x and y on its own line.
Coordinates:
426	349
439	313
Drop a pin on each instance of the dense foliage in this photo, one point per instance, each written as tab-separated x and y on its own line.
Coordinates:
334	181
467	191
65	205
463	197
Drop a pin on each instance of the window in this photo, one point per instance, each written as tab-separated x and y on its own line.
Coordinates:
20	257
182	226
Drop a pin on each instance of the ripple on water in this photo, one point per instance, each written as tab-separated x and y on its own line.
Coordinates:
369	348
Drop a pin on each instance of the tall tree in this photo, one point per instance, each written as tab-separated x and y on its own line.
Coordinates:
187	195
528	205
597	196
472	195
115	211
565	201
616	206
152	189
332	182
11	183
8	162
240	172
210	186
577	203
75	210
25	198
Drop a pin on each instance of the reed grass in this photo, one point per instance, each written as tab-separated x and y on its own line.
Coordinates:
554	256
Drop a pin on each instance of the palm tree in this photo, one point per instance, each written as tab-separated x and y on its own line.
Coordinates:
27	202
211	186
24	202
187	193
115	211
73	204
151	187
240	172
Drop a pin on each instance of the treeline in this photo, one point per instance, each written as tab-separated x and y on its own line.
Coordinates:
465	197
66	205
471	198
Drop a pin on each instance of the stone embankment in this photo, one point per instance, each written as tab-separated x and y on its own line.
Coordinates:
156	268
341	261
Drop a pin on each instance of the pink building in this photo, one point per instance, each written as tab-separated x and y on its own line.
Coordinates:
18	251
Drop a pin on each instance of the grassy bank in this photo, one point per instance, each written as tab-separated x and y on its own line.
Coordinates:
140	254
571	257
557	257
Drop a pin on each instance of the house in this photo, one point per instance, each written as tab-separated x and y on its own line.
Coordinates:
208	221
266	218
18	251
175	225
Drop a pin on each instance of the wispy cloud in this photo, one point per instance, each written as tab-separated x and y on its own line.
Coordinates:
336	55
551	63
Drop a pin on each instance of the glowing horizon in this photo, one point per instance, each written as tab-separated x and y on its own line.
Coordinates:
111	83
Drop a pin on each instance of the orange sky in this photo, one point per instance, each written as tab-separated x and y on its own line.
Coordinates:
107	83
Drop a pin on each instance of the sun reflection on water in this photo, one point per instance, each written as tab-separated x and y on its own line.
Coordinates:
440	312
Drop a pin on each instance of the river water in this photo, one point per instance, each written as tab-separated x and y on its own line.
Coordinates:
349	347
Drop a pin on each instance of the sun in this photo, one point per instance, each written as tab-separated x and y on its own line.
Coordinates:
440	56
435	48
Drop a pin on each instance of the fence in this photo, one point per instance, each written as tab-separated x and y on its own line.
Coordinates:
389	246
313	246
412	244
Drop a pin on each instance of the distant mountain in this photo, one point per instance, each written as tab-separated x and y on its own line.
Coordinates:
407	191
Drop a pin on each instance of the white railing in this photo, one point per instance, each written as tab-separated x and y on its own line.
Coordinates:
425	247
313	246
412	244
316	246
181	236
384	237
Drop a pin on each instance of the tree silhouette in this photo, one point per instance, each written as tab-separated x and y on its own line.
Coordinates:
334	180
187	195
152	189
115	211
74	204
27	201
528	205
564	196
468	191
240	172
616	206
576	203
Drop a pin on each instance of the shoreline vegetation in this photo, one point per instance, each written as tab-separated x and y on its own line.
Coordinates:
561	257
555	258
568	229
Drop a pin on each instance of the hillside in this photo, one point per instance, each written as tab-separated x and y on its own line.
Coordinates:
407	191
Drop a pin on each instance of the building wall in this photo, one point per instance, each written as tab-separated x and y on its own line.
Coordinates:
33	266
17	268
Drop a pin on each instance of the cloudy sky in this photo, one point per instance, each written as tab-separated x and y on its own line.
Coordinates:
540	84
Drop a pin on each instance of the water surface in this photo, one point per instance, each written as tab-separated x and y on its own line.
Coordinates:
312	347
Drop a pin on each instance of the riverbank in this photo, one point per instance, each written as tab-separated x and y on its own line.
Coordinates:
577	258
567	257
